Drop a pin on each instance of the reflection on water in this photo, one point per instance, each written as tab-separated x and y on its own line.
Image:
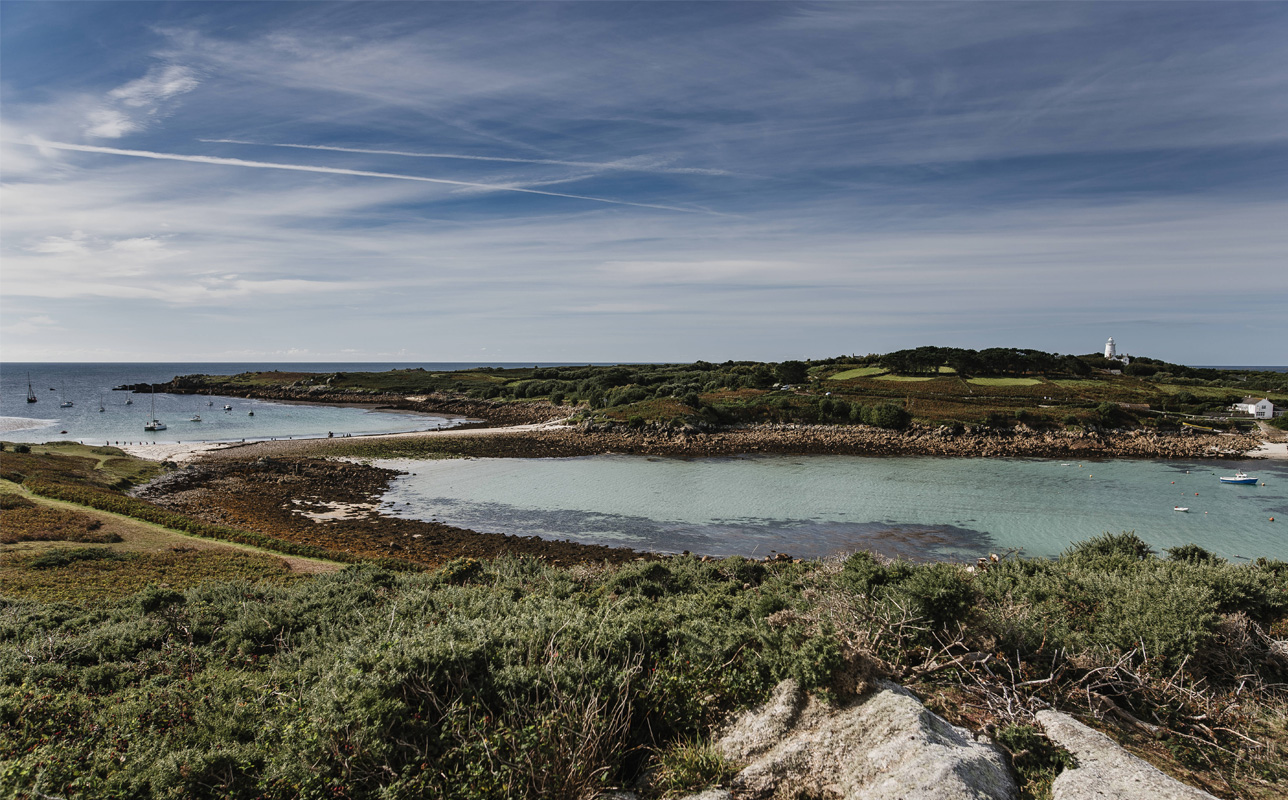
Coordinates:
918	508
758	538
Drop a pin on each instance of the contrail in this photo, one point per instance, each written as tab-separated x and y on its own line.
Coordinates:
237	162
617	165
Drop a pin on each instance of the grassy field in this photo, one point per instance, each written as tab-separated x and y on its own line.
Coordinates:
1004	381
858	372
129	554
905	378
86	464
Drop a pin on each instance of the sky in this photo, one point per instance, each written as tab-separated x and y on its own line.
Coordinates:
657	181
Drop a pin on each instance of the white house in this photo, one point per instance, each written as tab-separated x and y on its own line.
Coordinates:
1258	407
1111	352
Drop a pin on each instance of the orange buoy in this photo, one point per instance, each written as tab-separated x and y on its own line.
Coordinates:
1173	481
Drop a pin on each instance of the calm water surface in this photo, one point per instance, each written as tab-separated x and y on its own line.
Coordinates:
87	385
919	507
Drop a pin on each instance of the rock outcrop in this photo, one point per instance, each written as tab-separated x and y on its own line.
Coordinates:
886	746
1106	770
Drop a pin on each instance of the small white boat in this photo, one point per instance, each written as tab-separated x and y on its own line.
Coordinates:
195	418
250	413
65	404
1239	477
1180	508
228	407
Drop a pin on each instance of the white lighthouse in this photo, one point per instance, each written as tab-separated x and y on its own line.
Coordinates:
1111	352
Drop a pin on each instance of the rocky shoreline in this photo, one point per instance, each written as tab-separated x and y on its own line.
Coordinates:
336	505
568	441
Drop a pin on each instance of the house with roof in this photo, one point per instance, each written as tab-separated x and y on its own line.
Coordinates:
1258	407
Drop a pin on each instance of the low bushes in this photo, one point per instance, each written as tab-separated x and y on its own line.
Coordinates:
106	500
508	678
522	681
24	521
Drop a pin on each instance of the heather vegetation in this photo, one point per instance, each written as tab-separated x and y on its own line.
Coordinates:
509	678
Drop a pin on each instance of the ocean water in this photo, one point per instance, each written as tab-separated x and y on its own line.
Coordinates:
88	385
915	507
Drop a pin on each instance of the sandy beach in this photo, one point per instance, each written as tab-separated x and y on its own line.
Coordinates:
1272	450
181	453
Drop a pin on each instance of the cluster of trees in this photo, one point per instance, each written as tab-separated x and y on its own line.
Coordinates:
991	361
601	387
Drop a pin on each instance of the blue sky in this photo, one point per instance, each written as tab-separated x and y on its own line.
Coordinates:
641	181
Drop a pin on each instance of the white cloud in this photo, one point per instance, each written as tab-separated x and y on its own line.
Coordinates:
109	123
161	83
130	107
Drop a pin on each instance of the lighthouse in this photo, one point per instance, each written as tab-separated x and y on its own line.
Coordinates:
1111	353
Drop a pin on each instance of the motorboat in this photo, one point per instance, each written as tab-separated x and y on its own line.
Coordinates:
1239	477
227	407
1180	508
195	418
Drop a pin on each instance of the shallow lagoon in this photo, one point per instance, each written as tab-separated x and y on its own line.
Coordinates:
916	507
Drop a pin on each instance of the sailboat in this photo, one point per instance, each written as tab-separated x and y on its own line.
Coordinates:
155	424
31	393
101	409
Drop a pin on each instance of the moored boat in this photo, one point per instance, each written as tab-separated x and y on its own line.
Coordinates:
1180	508
154	424
1239	477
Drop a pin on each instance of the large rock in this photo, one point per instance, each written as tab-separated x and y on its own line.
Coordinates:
886	747
1106	771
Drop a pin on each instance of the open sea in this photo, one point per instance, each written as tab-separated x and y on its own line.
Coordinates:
87	386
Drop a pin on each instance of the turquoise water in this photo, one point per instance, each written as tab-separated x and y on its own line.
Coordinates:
919	507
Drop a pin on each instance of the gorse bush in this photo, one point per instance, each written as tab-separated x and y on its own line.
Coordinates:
500	679
508	678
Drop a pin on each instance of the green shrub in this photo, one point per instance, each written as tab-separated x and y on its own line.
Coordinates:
1036	759
1193	554
887	415
942	592
62	558
1109	550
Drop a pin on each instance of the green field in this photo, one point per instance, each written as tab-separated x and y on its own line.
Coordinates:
858	372
1004	381
905	378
